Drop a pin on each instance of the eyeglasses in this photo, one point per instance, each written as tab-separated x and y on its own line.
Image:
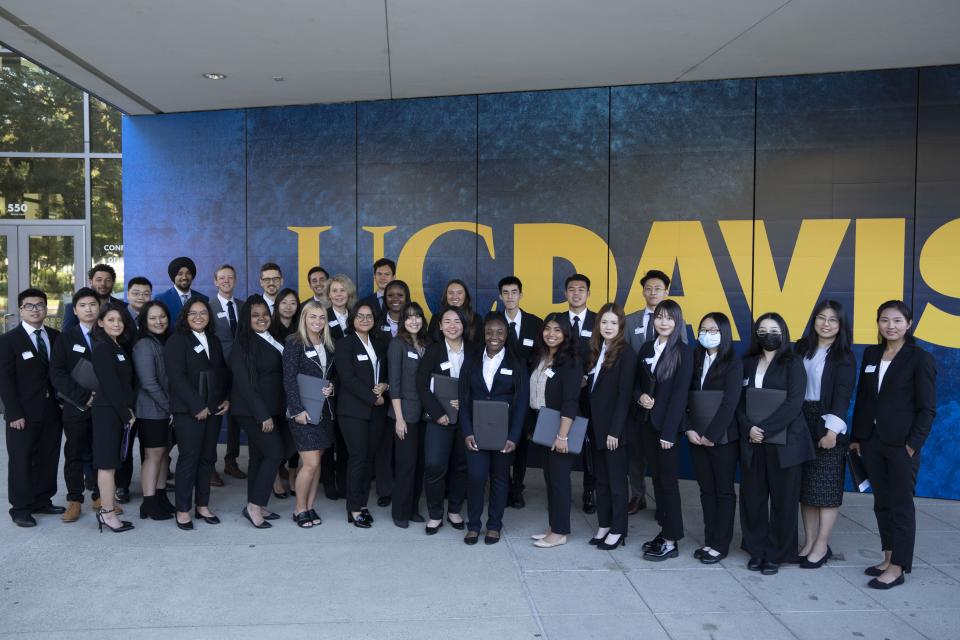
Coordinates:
29	306
712	332
271	280
363	316
196	314
828	319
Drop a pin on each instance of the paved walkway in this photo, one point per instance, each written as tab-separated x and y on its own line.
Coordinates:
336	581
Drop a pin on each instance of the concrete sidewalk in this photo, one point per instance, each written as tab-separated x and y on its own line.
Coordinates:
336	581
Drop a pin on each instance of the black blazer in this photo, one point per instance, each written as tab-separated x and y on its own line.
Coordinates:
583	348
25	383
729	379
785	373
510	384
610	398
355	397
184	363
472	332
836	390
114	369
530	326
295	362
670	396
432	362
257	375
402	364
562	391
902	412
68	350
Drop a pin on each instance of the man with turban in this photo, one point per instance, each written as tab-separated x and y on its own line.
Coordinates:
182	271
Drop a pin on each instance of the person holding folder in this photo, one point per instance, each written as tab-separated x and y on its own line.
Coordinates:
153	409
498	376
257	400
774	444
444	452
555	384
342	294
892	418
403	359
112	410
831	374
193	352
666	369
713	434
612	371
456	295
309	353
361	407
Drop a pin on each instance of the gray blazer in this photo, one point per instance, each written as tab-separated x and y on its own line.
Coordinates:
635	324
152	402
221	322
402	363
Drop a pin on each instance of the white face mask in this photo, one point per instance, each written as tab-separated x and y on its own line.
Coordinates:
709	341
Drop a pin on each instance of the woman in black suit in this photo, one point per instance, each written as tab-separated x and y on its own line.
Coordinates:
770	473
444	452
257	402
309	352
456	295
831	373
112	409
403	358
498	375
284	323
664	374
555	383
342	294
192	349
714	447
892	417
612	371
361	407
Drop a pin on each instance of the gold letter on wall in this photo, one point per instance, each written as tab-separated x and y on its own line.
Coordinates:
308	255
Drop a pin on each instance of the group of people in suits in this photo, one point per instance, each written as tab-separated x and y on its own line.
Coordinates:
169	371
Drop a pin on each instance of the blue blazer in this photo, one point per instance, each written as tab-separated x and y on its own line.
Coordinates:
171	300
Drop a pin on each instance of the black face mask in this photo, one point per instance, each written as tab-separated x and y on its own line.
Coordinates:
770	341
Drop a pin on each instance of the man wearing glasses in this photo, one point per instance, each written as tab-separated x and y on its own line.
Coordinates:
271	279
31	412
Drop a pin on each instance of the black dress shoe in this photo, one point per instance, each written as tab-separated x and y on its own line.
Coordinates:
433	530
516	501
805	562
661	553
710	559
24	520
656	543
122	495
49	510
876	584
596	541
636	505
402	524
360	521
755	564
492	537
604	546
699	553
271	516
207	519
367	514
262	525
589	502
384	501
471	538
283	495
185	526
459	526
417	518
770	568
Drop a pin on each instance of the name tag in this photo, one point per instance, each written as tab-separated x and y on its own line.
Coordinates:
648	360
639	331
362	357
334	323
222	314
506	372
121	357
79	348
27	355
746	382
527	342
586	334
412	355
310	354
549	373
387	328
871	368
198	348
444	366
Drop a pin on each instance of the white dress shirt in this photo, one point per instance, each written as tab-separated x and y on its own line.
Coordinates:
582	315
882	371
372	354
455	358
33	336
658	348
707	361
595	372
271	340
490	367
516	321
202	337
814	367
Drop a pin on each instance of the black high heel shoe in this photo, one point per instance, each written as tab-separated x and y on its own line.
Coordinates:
806	563
459	526
262	525
432	530
603	546
101	523
208	519
184	526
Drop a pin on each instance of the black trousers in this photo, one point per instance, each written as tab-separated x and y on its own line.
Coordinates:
612	490
637	451
333	463
266	454
383	464
197	446
518	470
362	437
482	466
664	471
716	468
893	475
444	469
233	441
557	468
769	499
33	455
408	472
78	436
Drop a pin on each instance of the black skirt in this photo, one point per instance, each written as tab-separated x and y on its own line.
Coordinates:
822	478
154	434
313	437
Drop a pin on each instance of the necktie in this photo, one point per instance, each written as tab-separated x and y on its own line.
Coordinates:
649	320
576	325
232	315
42	346
183	299
513	332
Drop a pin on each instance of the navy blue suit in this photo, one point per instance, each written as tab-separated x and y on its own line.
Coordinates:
171	300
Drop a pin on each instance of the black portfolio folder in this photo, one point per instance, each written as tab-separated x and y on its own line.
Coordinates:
491	424
311	395
446	389
858	472
702	407
761	403
548	426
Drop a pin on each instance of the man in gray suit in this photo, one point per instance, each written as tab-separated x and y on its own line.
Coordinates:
226	312
656	288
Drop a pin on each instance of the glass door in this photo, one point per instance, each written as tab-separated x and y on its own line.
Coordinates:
8	277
